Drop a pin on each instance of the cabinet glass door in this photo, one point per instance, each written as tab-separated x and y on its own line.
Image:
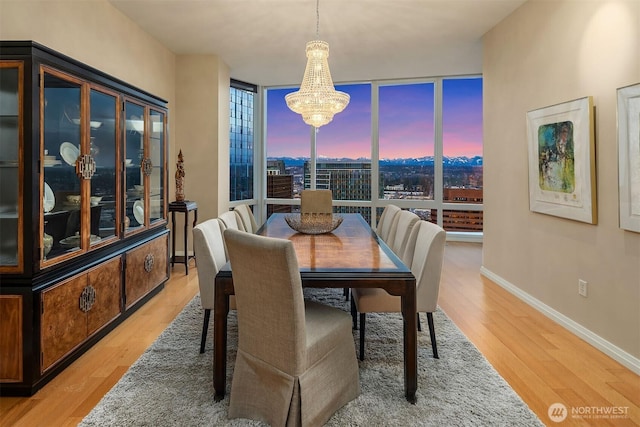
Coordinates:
11	167
134	199
157	156
61	120
103	126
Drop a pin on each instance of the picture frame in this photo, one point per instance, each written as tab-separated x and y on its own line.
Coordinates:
629	157
562	167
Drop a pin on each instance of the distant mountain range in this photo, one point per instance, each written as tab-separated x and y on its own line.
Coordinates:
419	161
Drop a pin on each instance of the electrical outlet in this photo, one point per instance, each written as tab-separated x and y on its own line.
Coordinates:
582	287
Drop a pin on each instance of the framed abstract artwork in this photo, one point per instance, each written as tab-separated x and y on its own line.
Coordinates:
629	156
562	176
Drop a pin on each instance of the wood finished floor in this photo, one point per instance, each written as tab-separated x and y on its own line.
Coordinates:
543	362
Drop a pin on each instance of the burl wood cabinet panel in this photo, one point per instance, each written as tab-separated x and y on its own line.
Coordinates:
65	323
64	326
146	269
107	280
11	338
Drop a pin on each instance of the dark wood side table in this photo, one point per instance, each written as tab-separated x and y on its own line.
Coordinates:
184	207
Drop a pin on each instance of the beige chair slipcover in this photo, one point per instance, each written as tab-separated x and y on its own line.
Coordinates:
231	219
247	218
425	249
386	221
208	247
401	230
316	201
296	363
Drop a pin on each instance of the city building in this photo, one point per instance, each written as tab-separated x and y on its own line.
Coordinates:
279	187
241	123
346	180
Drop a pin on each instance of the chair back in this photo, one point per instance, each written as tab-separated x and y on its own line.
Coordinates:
208	247
386	220
316	201
401	230
424	255
247	218
269	299
232	220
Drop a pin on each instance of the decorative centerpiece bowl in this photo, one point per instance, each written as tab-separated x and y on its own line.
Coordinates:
313	223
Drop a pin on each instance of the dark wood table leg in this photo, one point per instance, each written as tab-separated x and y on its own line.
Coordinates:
195	217
195	222
221	310
410	344
186	248
173	238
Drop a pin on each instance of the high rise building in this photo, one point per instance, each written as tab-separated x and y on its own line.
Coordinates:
241	141
276	167
346	180
279	186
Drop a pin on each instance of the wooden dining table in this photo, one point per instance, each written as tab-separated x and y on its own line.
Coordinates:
352	256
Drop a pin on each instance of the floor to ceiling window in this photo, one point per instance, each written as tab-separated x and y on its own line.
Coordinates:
241	140
462	154
406	141
425	137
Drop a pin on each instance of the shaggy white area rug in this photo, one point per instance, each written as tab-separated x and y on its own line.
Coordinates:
172	383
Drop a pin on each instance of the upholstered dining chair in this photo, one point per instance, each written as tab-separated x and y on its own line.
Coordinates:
231	219
208	248
403	223
296	362
316	201
425	249
247	218
386	220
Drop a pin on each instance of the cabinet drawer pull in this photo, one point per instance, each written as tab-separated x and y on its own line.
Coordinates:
87	298
148	263
85	166
147	166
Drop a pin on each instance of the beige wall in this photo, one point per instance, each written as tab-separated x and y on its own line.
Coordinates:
202	114
543	54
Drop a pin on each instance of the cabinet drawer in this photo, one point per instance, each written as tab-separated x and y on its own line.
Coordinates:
146	268
77	308
64	325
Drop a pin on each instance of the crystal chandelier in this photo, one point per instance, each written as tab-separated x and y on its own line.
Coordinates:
317	100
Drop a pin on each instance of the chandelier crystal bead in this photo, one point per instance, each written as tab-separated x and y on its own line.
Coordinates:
317	100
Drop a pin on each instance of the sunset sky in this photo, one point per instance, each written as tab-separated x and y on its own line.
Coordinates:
405	124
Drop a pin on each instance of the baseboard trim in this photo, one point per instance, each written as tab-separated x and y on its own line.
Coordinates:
577	329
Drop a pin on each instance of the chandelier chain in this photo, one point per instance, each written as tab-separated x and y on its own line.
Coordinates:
317	19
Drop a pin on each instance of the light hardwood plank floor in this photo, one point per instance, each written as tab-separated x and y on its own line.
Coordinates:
543	362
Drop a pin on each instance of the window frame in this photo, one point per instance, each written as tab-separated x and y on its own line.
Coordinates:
376	202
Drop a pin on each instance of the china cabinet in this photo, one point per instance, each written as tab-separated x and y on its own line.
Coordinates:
83	209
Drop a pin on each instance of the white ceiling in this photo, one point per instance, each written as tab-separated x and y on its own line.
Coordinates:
263	41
